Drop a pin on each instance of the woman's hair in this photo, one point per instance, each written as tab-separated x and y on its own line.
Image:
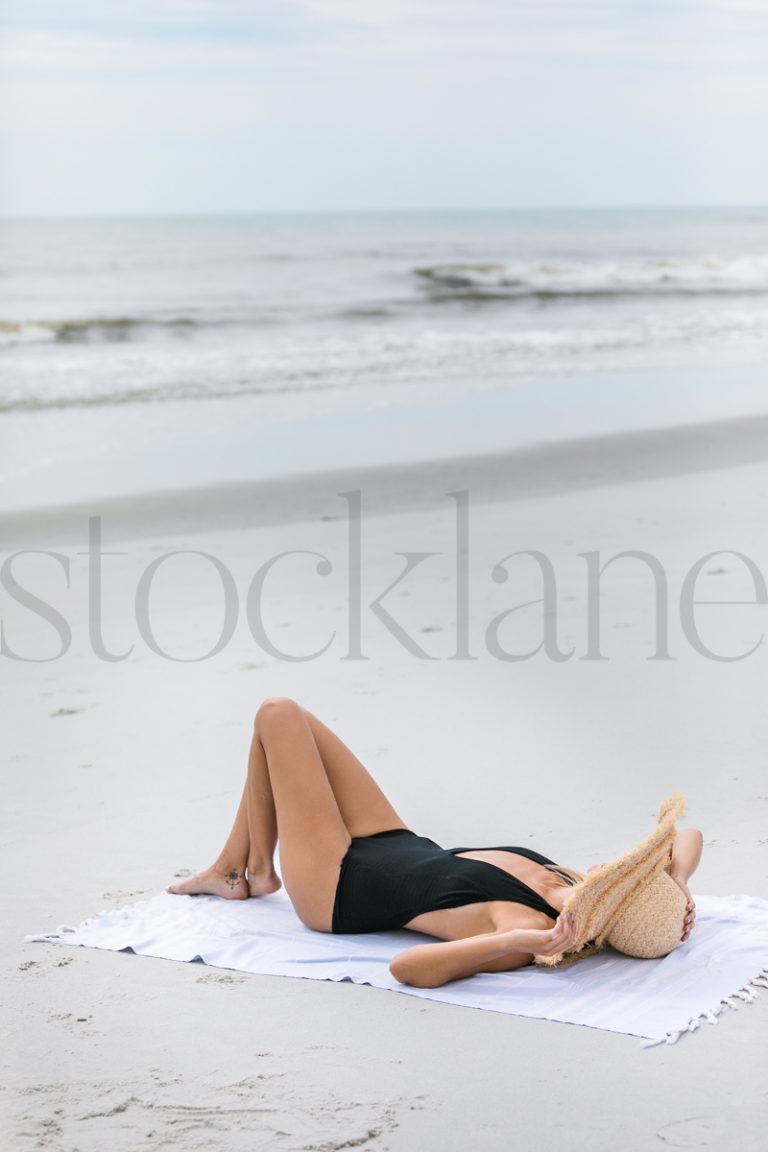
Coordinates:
568	875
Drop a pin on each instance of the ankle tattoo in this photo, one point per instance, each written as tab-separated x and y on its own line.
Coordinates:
233	878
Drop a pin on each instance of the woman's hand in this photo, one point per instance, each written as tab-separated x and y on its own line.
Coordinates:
690	907
552	941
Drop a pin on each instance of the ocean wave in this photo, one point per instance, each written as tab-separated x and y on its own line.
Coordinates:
102	329
378	357
163	393
364	312
563	279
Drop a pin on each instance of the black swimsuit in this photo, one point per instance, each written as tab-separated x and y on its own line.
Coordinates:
391	877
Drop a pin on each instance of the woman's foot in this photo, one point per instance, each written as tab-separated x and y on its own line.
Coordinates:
262	883
229	883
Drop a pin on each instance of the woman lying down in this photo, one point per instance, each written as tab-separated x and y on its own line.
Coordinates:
350	864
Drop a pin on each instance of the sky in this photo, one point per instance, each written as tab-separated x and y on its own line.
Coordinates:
140	106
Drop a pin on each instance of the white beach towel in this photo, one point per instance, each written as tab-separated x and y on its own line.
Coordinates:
657	1000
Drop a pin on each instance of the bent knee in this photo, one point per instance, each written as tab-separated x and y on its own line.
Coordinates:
275	707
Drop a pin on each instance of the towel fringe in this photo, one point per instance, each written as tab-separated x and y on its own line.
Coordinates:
761	980
747	995
49	937
56	937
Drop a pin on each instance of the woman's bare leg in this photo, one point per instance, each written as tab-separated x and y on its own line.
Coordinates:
364	808
225	877
250	845
337	799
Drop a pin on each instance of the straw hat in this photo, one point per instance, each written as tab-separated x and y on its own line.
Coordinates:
631	903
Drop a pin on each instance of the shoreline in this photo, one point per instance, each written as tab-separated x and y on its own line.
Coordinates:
61	457
542	469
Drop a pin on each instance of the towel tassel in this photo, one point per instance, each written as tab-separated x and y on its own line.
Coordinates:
49	937
746	994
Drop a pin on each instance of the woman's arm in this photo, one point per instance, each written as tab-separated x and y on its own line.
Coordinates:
686	854
432	965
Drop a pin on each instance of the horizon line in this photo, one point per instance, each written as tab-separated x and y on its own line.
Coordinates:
182	213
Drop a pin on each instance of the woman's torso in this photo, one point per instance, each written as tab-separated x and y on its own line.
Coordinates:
397	879
496	915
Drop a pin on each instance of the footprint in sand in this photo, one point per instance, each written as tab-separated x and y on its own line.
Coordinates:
120	895
224	978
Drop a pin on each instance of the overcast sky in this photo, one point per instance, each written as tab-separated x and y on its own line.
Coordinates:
221	105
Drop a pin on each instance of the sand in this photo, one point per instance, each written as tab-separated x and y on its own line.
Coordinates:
120	773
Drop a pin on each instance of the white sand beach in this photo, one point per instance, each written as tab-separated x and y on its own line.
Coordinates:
123	767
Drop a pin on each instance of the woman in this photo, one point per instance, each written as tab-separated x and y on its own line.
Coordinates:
350	864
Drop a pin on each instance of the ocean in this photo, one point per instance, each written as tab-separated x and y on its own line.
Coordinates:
168	352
